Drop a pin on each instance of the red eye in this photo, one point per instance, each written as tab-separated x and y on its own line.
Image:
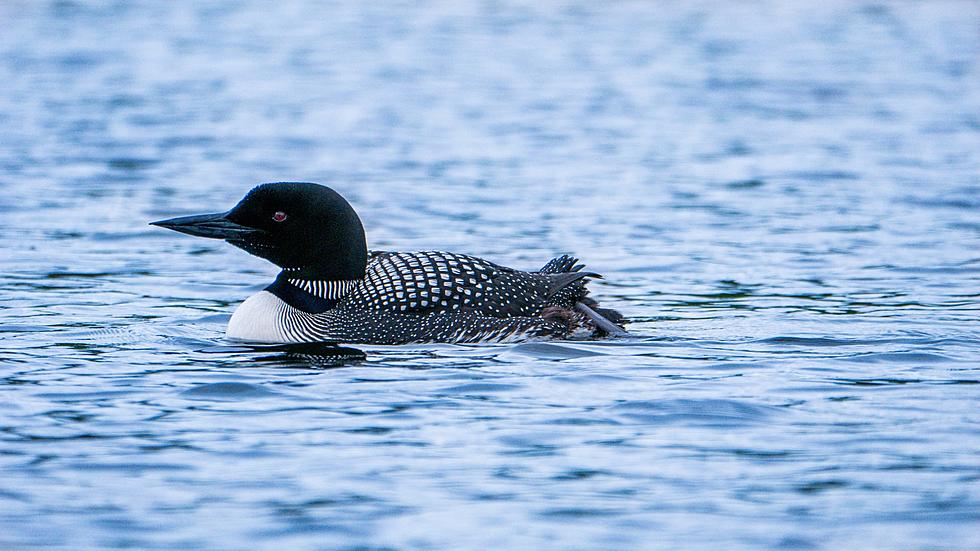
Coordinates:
279	216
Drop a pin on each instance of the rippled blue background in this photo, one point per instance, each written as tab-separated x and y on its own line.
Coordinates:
783	196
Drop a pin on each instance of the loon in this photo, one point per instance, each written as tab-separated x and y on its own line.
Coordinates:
332	289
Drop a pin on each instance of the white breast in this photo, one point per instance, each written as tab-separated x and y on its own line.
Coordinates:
258	319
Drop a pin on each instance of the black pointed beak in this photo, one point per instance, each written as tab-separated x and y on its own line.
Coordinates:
214	226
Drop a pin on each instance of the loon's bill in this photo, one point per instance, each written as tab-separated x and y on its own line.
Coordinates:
215	226
331	288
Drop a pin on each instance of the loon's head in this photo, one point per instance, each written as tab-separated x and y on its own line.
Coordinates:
306	229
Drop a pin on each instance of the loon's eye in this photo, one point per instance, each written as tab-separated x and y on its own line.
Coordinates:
279	216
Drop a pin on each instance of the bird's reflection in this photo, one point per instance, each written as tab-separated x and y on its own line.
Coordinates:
307	354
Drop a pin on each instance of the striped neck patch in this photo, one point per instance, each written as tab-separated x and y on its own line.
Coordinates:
325	288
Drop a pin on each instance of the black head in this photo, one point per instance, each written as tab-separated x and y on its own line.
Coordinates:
307	229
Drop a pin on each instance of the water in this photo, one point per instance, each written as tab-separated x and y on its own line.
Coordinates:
784	198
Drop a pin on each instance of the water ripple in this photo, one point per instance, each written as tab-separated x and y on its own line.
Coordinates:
782	197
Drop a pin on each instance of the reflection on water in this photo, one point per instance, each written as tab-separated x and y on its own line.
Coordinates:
783	198
293	355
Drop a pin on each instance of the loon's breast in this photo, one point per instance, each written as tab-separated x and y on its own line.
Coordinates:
258	319
268	318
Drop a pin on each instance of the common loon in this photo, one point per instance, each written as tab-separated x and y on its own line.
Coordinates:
331	288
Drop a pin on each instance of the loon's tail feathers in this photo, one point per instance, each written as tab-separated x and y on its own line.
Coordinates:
561	264
560	281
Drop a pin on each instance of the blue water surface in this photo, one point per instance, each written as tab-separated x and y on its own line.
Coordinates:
784	197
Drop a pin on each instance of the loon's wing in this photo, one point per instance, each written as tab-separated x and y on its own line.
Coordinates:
432	281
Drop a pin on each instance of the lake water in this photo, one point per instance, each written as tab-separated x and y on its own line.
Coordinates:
784	198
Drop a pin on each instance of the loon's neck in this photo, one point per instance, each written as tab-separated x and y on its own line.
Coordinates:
313	296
